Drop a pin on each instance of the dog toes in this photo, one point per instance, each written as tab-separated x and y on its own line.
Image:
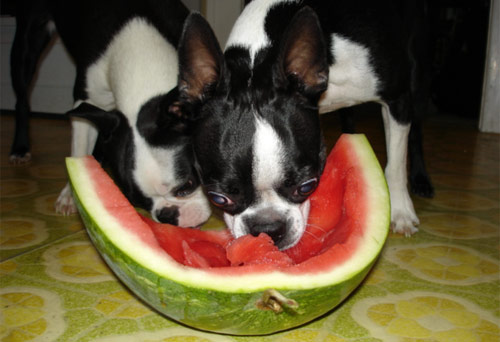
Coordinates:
66	209
20	159
405	224
65	205
407	230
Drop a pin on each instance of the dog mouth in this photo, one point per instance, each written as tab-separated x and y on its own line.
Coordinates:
285	226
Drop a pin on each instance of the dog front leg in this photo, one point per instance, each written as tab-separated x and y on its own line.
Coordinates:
83	140
403	217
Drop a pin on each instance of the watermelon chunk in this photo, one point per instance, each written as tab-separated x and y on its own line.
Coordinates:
192	247
251	250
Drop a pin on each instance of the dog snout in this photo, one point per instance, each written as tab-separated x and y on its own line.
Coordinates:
168	215
275	229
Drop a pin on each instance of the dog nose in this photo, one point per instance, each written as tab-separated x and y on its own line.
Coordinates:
276	230
168	215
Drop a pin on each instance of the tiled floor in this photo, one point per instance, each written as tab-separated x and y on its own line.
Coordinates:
443	284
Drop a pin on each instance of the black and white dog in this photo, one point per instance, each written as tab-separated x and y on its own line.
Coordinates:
125	89
257	138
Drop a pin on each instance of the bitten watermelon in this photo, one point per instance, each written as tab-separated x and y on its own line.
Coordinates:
208	281
255	250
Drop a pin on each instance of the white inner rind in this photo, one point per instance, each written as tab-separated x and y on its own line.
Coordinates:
158	261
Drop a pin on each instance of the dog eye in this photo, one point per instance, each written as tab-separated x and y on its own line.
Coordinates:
307	188
186	189
218	200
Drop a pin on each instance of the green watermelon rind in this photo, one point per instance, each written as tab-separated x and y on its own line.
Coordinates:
228	304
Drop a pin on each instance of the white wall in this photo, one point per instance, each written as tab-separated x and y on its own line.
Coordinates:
193	5
53	87
221	14
490	108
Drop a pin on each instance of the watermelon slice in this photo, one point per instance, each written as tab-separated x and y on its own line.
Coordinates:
206	280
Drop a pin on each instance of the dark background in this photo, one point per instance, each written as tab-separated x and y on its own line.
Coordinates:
457	43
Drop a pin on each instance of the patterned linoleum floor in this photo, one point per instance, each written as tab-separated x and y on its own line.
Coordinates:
443	284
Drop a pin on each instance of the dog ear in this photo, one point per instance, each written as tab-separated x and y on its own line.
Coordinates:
106	121
200	60
162	119
303	57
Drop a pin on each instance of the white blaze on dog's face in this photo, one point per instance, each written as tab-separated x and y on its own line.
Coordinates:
270	213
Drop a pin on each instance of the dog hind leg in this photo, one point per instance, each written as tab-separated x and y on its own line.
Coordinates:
420	58
32	37
403	217
420	182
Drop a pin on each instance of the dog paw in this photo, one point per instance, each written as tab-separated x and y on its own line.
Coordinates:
20	159
404	224
404	220
65	204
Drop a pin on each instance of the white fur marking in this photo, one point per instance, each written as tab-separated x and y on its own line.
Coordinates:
403	217
267	156
248	30
84	136
153	168
138	64
352	79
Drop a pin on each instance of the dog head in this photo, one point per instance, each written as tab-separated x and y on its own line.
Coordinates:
152	161
257	136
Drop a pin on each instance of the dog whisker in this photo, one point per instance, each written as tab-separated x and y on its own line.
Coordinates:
311	234
316	227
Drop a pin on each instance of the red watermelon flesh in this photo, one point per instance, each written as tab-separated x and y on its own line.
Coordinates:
335	213
192	247
336	220
201	249
251	250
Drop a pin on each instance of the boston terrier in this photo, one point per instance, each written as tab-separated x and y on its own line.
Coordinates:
125	89
257	135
